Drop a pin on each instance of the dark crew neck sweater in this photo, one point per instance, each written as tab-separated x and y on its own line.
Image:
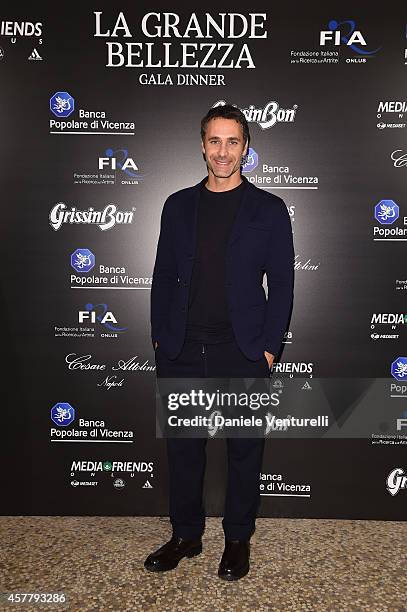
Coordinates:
208	314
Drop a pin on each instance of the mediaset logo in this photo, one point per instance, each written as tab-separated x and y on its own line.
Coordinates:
376	336
266	116
396	481
84	483
105	219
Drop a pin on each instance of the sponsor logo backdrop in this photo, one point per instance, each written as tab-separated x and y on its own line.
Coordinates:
100	113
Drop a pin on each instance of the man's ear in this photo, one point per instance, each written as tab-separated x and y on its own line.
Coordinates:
203	149
245	150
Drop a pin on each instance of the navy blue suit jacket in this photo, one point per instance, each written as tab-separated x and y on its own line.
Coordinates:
260	242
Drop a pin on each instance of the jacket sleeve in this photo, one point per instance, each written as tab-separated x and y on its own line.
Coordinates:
165	276
280	279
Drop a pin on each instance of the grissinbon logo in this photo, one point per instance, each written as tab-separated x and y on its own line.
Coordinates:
104	219
396	481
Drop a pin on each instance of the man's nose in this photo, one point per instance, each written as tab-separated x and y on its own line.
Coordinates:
222	149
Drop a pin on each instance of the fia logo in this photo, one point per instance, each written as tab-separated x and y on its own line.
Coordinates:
100	313
119	159
345	33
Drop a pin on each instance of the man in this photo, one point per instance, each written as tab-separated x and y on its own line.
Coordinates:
210	318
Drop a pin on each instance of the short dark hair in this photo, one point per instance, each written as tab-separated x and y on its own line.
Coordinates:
226	111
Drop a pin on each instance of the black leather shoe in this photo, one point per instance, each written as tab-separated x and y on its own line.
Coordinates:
170	554
235	560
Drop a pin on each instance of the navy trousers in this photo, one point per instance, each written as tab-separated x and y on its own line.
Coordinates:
187	456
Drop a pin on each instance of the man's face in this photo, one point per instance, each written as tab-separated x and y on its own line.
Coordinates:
223	147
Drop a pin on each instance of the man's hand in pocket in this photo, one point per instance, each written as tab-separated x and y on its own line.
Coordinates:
269	357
